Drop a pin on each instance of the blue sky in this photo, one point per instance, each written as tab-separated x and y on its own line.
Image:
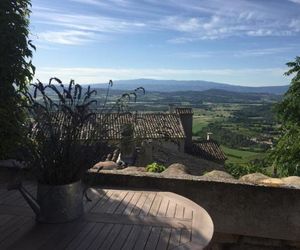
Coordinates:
237	41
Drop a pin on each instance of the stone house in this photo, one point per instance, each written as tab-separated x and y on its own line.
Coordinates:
171	132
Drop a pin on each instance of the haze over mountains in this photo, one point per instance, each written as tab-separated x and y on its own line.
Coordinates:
197	85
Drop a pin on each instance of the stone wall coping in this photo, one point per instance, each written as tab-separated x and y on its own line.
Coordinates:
191	178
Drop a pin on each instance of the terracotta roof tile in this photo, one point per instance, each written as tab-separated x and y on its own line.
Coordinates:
184	111
209	150
146	126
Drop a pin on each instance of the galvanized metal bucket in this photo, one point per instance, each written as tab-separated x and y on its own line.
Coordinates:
61	203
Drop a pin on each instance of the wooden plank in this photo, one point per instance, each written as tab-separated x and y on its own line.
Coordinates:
15	199
185	236
174	238
153	238
95	198
111	237
16	210
121	238
91	237
19	202
137	220
188	213
155	205
101	237
98	205
9	223
163	207
96	244
137	208
124	203
81	236
4	218
13	225
164	238
171	209
142	239
203	228
179	211
8	195
110	202
35	237
63	238
147	205
132	237
19	233
132	203
3	190
116	203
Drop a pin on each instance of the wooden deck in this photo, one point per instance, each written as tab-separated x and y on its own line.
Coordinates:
116	219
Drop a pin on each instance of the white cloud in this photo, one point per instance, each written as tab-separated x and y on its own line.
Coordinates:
200	20
67	37
295	24
102	75
235	53
260	52
89	22
220	20
80	29
269	32
295	1
219	27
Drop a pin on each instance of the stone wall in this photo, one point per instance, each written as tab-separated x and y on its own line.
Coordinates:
245	216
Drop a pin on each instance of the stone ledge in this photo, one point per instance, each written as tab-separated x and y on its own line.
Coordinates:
264	181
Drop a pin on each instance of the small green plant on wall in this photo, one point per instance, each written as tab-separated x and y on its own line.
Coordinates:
155	168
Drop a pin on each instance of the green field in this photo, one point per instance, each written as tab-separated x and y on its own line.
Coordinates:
202	117
241	156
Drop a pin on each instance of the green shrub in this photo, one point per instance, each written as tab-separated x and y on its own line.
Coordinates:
16	72
155	168
237	170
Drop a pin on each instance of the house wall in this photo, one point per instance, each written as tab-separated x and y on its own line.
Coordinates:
187	123
150	147
177	146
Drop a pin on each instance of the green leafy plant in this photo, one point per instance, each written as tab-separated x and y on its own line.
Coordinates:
16	71
155	168
286	154
237	170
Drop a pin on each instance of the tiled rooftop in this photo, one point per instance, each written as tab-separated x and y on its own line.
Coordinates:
207	149
146	125
184	111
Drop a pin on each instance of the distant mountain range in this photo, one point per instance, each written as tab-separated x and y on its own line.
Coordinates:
197	85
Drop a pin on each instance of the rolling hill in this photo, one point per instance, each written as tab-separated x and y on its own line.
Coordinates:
174	86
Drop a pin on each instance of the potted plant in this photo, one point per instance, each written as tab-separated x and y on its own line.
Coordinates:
67	136
66	140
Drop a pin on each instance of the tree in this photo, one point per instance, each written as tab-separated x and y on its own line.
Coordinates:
16	71
287	151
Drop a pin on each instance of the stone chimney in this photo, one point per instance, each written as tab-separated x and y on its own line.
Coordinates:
127	144
171	108
186	117
208	135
